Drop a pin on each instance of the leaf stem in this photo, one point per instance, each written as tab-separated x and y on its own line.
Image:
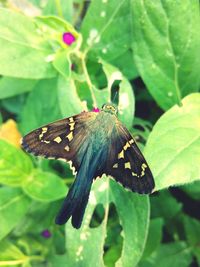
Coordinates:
87	77
77	14
21	261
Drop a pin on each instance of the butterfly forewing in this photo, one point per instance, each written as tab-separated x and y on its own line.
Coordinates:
61	139
127	164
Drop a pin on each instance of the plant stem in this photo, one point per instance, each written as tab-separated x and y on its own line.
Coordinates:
87	77
59	8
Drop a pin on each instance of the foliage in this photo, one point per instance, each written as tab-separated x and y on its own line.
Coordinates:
144	56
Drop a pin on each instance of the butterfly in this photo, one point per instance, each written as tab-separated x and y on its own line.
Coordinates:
95	143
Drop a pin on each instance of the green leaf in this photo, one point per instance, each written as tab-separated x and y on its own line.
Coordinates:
11	86
165	206
193	190
41	106
173	147
68	99
85	246
60	261
9	252
166	48
126	105
192	231
61	63
13	206
23	52
14	104
44	186
53	28
34	222
59	8
172	254
15	165
109	33
154	237
126	64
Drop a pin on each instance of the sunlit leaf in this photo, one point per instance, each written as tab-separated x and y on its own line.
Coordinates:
44	186
173	147
166	44
15	165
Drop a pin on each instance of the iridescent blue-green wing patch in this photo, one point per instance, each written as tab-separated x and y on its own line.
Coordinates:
126	164
61	139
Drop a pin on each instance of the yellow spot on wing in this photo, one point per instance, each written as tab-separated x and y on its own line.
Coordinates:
126	146
121	155
144	166
115	166
131	141
44	130
45	141
127	165
57	139
135	174
72	126
70	136
67	148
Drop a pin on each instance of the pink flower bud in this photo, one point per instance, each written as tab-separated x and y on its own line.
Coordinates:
96	110
68	38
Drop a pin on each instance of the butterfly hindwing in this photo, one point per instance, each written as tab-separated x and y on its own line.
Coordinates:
126	164
61	139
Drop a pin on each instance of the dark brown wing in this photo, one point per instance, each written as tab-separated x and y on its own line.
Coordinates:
126	164
61	139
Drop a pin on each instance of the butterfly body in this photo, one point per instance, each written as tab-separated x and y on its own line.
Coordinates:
96	143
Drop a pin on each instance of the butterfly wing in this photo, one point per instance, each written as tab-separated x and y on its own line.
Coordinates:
61	139
126	164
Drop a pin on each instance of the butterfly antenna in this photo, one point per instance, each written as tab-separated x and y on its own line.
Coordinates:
115	95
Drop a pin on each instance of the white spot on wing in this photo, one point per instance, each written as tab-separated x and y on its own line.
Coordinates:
72	167
61	159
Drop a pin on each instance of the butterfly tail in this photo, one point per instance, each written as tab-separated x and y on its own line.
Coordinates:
76	201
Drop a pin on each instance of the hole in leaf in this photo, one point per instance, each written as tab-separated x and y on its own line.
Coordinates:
97	74
114	240
97	216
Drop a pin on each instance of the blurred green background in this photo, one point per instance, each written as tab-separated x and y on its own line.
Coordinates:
148	54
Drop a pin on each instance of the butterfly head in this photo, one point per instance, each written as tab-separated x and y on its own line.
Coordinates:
110	108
